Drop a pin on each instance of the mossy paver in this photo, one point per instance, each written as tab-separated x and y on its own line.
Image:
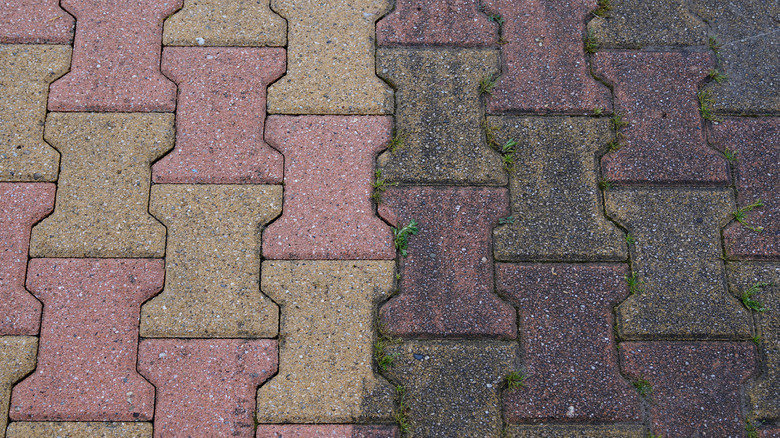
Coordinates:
225	23
17	359
26	22
326	430
577	431
458	23
25	74
212	285
92	429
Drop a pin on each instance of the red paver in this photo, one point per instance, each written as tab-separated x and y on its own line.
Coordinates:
220	116
543	61
757	144
326	431
446	286
116	58
89	340
437	22
40	21
565	322
769	432
695	385
206	387
664	141
329	168
21	206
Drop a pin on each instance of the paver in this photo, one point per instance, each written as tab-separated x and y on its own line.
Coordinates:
664	143
323	431
103	188
452	387
220	116
246	23
89	339
459	23
692	380
756	143
329	168
439	116
677	263
17	359
206	387
543	61
558	431
554	185
769	432
42	21
330	62
446	286
21	205
93	429
25	74
212	285
565	323
325	342
116	58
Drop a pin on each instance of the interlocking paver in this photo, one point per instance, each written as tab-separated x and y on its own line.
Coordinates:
438	22
21	205
559	431
212	281
221	23
329	169
326	431
544	67
664	142
697	381
677	261
206	387
89	339
116	58
565	322
769	432
42	21
439	116
330	62
220	116
554	185
17	359
756	143
446	286
25	74
103	188
325	342
93	429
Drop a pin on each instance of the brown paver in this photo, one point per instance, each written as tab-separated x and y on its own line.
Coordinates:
17	359
543	61
664	143
554	185
769	432
329	168
330	62
579	431
439	115
89	338
697	381
103	189
220	116
74	429
116	58
42	21
206	387
677	260
437	22
757	146
25	74
325	342
221	23
446	286
212	282
21	205
570	359
326	431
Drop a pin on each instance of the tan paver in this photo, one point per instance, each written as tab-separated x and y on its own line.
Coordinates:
577	431
94	429
212	281
17	359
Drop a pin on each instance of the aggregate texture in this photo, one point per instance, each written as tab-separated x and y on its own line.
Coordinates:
459	23
39	22
17	359
326	431
73	429
577	431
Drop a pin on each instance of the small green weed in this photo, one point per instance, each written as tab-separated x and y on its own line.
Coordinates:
508	153
515	380
750	428
590	42
630	239
717	76
490	135
380	185
604	7
606	184
756	339
384	360
634	284
401	416
749	301
715	46
487	84
497	18
614	146
731	156
741	216
705	106
598	111
618	122
642	386
396	142
506	220
402	236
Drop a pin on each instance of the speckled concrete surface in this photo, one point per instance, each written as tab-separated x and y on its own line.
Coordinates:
17	359
439	22
93	429
43	21
580	431
326	431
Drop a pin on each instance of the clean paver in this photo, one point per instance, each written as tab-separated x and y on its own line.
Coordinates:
73	429
326	431
17	359
27	22
458	23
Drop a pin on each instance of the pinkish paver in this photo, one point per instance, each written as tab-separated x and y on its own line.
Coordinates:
89	340
220	116
695	385
206	387
769	432
329	168
656	92
437	22
566	322
446	286
21	206
40	21
326	431
756	143
543	61
116	58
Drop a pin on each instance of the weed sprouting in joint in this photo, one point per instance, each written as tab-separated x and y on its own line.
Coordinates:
741	216
508	154
606	184
590	42
642	386
506	220
630	239
706	101
380	185
604	6
401	415
487	84
731	156
396	142
402	234
750	302
384	340
634	284
717	76
515	380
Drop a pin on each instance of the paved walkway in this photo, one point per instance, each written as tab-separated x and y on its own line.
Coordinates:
378	218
